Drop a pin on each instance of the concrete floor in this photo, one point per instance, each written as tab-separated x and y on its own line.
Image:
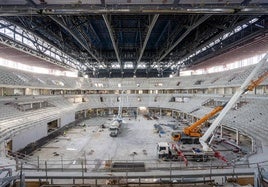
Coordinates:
136	142
89	145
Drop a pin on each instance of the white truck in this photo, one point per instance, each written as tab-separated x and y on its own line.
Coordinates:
115	128
165	152
170	151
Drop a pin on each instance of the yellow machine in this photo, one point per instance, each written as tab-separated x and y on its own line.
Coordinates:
194	129
192	133
257	82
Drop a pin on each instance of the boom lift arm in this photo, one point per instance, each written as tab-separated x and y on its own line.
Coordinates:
193	132
249	84
194	129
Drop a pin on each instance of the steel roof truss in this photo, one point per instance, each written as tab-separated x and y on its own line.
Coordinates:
64	25
148	34
112	37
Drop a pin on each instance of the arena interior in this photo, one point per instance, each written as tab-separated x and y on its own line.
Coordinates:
133	93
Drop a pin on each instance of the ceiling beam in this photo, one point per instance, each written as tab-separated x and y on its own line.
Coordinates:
219	37
162	33
148	34
26	26
34	52
63	25
190	29
110	30
8	9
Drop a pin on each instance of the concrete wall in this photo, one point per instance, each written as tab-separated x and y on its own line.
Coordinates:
38	131
27	136
67	118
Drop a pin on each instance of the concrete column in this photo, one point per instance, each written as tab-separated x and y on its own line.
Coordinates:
221	132
160	112
237	137
2	150
110	111
252	144
85	113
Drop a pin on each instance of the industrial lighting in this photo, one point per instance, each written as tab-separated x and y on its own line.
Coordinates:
254	10
71	149
215	10
142	108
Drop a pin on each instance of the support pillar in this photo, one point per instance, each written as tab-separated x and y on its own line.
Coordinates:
110	111
85	113
221	132
2	150
252	144
237	137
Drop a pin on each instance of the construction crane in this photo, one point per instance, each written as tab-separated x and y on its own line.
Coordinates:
116	124
248	85
192	133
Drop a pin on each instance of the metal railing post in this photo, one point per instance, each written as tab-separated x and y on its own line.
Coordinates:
82	171
38	163
22	178
46	170
85	162
170	172
61	159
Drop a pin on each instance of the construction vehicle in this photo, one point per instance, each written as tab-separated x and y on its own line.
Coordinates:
115	128
165	152
171	152
192	133
248	85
